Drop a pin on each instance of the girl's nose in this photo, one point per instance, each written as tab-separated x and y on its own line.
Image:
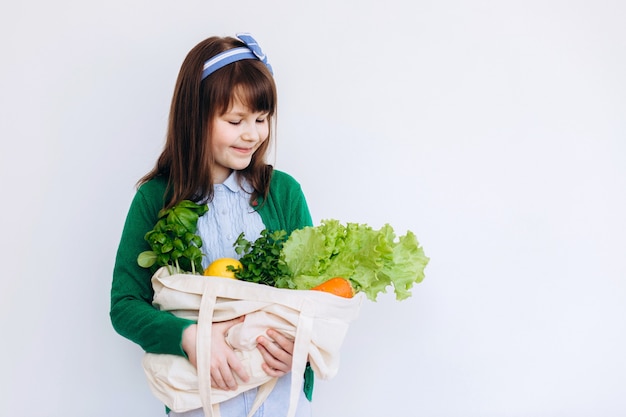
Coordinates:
251	133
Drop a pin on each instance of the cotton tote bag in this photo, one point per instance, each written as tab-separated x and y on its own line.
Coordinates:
317	321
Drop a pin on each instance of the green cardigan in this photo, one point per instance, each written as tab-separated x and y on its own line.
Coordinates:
132	313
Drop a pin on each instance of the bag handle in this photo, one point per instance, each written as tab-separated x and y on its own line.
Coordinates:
304	333
203	344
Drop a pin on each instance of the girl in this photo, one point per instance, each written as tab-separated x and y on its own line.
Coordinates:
219	132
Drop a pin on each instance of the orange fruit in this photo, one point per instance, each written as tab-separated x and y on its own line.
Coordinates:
219	268
338	286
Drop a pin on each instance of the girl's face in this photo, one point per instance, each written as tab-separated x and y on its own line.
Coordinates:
236	135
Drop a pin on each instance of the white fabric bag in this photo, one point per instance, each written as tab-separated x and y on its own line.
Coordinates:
317	321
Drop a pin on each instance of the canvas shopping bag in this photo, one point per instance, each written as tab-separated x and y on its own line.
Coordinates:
317	321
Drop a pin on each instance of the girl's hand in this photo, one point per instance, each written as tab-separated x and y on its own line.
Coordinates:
278	354
224	363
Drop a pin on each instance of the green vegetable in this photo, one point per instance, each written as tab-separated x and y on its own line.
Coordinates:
174	241
261	259
371	259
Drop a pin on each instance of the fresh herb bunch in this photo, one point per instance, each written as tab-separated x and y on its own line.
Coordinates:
174	241
262	261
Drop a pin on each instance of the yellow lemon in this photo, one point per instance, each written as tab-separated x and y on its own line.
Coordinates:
219	268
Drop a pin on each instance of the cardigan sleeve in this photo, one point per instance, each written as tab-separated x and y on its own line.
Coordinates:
132	313
286	207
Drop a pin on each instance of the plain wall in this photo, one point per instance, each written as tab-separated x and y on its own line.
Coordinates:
494	130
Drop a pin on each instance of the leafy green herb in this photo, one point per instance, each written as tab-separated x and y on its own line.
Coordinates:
262	259
174	241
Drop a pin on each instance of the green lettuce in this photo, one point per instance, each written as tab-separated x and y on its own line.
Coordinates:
373	260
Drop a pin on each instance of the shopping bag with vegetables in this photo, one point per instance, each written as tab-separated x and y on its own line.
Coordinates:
308	285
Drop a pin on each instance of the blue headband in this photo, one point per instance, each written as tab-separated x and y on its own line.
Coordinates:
251	51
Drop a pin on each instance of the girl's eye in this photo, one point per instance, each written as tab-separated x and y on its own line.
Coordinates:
234	122
263	120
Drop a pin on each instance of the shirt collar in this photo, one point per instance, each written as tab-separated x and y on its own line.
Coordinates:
232	183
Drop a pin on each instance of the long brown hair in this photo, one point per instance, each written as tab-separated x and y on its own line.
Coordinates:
186	159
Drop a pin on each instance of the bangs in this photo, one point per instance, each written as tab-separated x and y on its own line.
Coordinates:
248	81
256	92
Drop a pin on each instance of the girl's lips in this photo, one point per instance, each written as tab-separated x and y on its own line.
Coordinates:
243	150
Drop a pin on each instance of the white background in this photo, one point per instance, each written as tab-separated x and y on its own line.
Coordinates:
495	130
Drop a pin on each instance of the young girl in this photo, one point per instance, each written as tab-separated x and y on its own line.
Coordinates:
218	135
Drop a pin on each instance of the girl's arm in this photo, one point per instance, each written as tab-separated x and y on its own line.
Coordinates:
132	313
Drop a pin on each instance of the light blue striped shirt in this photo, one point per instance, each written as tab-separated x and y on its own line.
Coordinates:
229	214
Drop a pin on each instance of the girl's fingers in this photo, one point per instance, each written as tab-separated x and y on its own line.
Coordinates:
217	381
283	341
236	367
271	366
277	354
222	378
